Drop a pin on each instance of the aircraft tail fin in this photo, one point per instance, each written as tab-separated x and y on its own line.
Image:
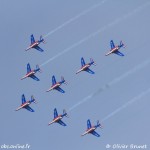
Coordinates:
98	124
122	44
33	99
38	68
41	39
92	62
63	80
65	113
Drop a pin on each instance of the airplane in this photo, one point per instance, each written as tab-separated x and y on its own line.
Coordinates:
25	104
57	118
34	44
30	73
91	129
115	49
55	85
85	67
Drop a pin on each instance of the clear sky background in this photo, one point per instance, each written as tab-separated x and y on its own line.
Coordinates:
118	94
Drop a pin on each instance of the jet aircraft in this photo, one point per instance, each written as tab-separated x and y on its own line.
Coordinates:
57	118
85	67
35	44
115	49
91	129
31	73
56	85
25	104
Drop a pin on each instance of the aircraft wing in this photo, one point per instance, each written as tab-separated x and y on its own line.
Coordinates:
53	80
23	99
32	39
82	61
35	78
89	71
55	113
88	124
60	90
62	123
119	53
29	108
112	44
28	68
38	48
95	133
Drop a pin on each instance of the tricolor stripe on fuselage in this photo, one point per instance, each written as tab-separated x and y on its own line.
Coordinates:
90	130
34	44
30	73
57	118
85	67
55	85
26	104
115	49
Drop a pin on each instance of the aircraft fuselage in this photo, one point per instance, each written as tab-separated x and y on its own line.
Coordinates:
85	67
55	85
115	49
25	104
57	118
34	44
28	74
90	130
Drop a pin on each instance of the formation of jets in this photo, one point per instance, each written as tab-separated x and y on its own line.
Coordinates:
56	85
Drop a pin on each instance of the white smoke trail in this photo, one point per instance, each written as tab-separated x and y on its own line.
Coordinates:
136	68
75	18
95	33
81	102
126	104
108	85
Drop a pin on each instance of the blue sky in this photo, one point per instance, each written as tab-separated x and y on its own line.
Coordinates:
117	95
